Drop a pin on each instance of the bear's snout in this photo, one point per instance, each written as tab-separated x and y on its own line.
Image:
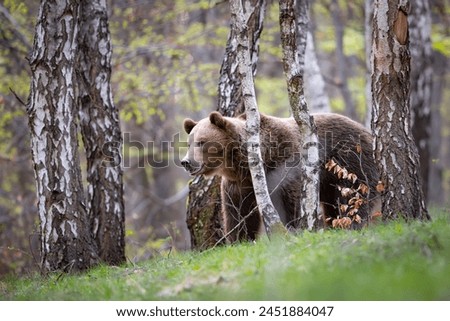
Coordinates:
192	167
186	163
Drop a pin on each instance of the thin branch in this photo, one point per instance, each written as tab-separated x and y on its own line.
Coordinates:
17	97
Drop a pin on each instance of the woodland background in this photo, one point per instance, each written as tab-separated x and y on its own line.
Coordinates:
166	61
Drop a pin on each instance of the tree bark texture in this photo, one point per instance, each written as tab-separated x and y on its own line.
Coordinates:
230	101
394	149
421	84
66	241
294	30
241	11
100	128
204	210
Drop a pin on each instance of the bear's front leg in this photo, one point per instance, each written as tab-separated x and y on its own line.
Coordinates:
240	212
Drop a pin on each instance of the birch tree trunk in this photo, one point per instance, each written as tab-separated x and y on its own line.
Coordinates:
241	11
101	133
438	144
315	92
66	241
293	42
341	60
203	210
421	84
368	22
395	152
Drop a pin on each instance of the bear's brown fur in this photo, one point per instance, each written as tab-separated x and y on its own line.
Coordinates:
217	146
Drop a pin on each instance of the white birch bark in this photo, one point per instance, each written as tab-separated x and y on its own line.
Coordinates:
241	10
341	65
368	18
394	149
315	92
293	41
100	128
66	242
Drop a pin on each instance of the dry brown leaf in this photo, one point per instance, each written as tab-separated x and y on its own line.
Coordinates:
363	188
346	191
330	165
376	214
358	203
352	177
342	173
358	148
343	223
337	169
357	219
354	199
352	212
343	208
380	187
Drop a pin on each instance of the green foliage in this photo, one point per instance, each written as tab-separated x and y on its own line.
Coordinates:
357	85
272	96
354	43
158	65
337	104
270	48
396	261
440	40
16	7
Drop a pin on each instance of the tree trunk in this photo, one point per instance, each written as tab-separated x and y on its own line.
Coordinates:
438	145
204	210
368	21
101	133
421	84
293	42
341	61
230	101
241	11
66	240
315	92
394	149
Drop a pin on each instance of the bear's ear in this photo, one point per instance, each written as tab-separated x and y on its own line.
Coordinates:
218	120
189	124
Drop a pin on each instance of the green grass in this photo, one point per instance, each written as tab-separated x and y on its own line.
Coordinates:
396	261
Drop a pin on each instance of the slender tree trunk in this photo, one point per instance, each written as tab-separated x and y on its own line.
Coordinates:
394	149
368	21
421	84
204	209
436	190
315	92
230	101
101	133
341	60
293	42
241	11
66	240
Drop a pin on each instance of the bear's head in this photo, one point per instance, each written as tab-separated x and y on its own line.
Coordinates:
210	144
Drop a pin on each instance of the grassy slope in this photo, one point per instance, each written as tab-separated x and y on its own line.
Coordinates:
397	261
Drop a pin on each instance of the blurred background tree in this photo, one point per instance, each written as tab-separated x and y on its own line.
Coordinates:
166	62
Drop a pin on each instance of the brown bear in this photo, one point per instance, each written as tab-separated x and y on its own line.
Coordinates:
217	146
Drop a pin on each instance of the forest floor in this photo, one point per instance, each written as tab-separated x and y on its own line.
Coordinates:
395	261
